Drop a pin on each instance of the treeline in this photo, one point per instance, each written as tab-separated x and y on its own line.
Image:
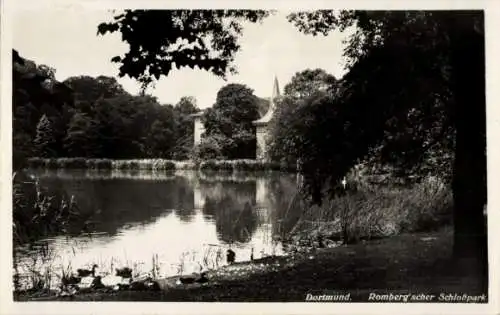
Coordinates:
97	119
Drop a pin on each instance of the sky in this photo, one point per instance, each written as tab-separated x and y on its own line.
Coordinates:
66	39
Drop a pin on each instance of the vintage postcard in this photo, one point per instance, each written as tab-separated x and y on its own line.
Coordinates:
287	158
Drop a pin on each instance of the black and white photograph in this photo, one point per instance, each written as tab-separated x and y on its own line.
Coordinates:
331	156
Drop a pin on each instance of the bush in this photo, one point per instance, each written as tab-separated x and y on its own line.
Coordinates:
216	165
208	149
247	165
163	165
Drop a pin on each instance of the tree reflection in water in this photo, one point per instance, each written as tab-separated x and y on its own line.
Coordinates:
232	206
184	200
244	212
287	205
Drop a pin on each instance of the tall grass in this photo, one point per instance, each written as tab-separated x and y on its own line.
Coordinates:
242	165
43	273
374	211
37	213
144	164
157	164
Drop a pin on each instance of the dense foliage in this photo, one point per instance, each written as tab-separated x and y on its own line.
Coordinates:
396	112
228	124
98	120
307	82
35	93
292	112
207	39
416	82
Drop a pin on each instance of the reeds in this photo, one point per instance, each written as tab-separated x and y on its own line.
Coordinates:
37	213
243	165
379	211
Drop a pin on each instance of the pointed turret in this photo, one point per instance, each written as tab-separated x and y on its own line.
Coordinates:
272	104
276	89
262	123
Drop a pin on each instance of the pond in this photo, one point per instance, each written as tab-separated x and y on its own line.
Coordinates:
172	223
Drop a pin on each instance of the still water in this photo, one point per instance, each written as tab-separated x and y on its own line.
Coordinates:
178	222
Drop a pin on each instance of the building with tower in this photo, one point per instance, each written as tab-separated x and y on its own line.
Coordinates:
262	124
199	127
262	127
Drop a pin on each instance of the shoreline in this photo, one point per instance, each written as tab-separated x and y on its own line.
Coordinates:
156	164
416	263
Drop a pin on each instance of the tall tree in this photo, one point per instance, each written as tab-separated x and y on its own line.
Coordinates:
431	62
44	141
230	121
160	139
88	90
288	121
305	83
82	139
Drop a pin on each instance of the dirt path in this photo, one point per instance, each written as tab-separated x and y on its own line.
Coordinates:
418	263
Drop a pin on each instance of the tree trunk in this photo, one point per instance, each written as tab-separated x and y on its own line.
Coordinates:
469	175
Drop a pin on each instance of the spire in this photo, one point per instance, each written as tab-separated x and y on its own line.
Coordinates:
276	88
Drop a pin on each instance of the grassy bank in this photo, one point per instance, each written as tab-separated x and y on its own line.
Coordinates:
408	263
156	164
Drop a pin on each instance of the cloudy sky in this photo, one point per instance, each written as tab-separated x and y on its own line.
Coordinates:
66	40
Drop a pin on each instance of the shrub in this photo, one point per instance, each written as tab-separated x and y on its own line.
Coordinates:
163	165
208	149
216	165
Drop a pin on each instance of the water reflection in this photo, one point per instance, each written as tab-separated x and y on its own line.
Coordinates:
185	218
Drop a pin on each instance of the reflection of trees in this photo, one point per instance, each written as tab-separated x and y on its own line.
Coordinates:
108	204
231	205
287	209
235	223
184	200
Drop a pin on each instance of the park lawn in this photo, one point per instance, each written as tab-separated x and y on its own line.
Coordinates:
407	263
